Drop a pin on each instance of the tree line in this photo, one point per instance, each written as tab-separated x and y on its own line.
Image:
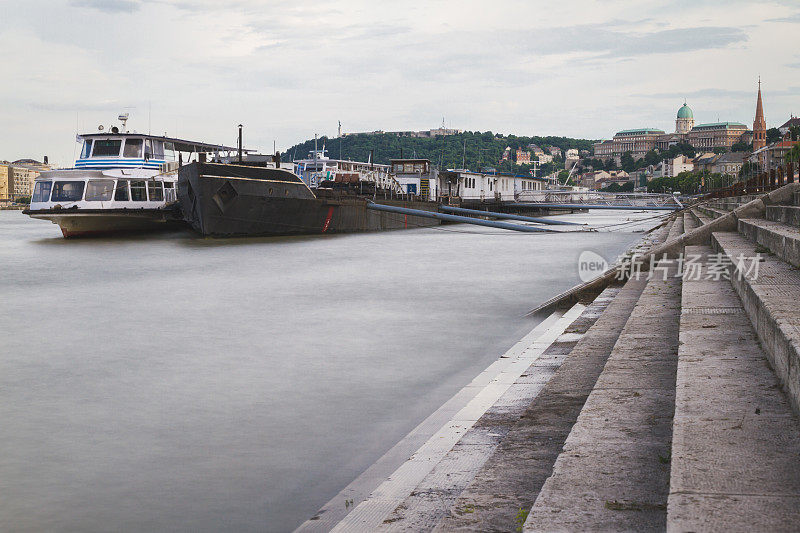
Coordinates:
472	150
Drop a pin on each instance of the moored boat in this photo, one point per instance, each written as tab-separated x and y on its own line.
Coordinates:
235	200
121	182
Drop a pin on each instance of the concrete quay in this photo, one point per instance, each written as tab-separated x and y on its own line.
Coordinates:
669	402
736	442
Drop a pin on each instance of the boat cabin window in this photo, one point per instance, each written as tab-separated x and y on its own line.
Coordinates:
87	148
67	191
158	149
106	147
133	148
169	151
41	191
156	191
121	193
153	149
99	190
138	191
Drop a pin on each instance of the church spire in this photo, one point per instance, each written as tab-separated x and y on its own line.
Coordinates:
759	124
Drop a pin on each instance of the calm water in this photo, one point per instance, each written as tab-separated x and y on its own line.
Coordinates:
173	383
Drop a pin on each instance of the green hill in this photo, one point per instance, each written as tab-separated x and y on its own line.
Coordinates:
477	149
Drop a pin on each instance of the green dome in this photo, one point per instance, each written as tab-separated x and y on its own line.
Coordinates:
685	112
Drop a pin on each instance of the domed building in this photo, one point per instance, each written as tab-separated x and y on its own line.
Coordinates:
702	137
685	121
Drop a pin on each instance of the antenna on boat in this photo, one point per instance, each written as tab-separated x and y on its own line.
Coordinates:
240	143
124	119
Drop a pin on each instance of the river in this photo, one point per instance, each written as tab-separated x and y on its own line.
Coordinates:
174	383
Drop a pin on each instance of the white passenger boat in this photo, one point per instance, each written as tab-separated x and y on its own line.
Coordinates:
320	171
121	182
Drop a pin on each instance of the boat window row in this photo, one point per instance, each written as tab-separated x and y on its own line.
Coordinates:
409	167
101	190
129	147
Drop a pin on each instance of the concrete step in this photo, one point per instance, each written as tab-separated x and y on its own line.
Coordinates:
609	476
677	227
788	214
711	212
796	198
512	477
736	441
773	237
725	205
699	217
770	297
690	221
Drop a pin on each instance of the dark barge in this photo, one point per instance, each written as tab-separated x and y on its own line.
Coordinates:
228	200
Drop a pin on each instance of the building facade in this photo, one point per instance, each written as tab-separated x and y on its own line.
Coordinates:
523	157
571	157
416	176
701	136
716	135
423	133
5	190
17	178
603	150
22	180
638	141
728	164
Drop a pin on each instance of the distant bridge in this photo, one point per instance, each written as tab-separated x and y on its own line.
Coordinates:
598	200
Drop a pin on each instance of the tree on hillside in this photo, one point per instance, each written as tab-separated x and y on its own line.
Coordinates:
685	182
627	163
616	187
652	157
471	149
794	153
773	135
742	147
681	149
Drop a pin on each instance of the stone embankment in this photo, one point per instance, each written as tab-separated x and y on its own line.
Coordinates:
670	402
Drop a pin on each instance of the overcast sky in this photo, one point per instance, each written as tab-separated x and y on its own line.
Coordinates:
287	70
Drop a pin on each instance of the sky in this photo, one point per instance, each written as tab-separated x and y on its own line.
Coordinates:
289	69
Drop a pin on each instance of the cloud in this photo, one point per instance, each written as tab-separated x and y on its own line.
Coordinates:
109	6
791	19
700	93
603	41
298	66
714	93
